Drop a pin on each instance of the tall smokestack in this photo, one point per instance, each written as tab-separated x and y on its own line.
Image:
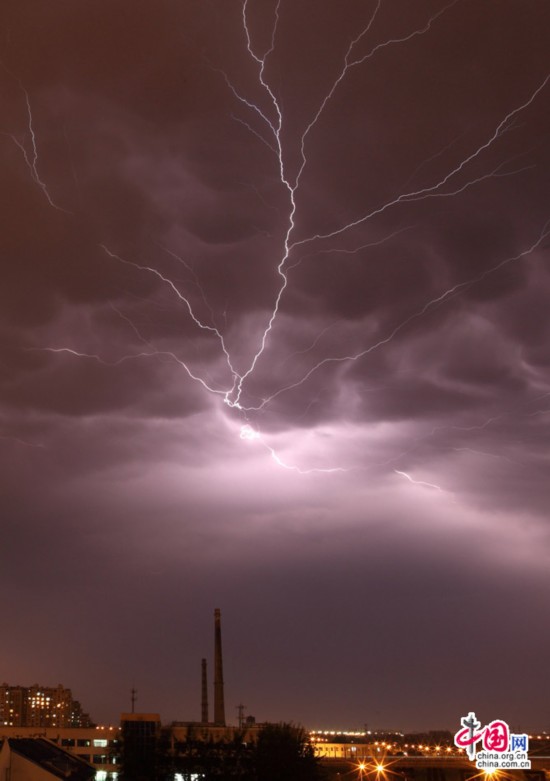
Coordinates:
219	707
204	694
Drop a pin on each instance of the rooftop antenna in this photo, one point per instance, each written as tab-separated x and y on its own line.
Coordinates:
134	698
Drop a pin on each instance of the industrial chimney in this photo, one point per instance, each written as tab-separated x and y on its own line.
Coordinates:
204	694
219	707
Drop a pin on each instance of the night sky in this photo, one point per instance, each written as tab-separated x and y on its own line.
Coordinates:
274	317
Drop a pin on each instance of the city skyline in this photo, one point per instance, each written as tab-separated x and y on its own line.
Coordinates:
274	335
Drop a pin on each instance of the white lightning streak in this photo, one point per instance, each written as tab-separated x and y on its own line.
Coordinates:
350	64
132	326
31	161
313	344
479	427
250	434
428	305
347	65
433	189
419	482
182	298
355	250
126	358
194	274
254	133
276	129
280	462
433	157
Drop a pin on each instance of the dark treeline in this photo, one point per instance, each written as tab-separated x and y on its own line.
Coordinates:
281	752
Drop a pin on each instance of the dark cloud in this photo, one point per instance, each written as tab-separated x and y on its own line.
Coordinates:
377	535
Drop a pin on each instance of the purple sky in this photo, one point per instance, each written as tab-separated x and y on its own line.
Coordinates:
274	338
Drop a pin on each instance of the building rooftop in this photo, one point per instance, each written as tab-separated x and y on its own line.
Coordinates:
51	758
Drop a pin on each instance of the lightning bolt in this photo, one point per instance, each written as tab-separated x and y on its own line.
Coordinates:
418	482
133	356
434	189
31	158
250	434
355	250
441	298
275	129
